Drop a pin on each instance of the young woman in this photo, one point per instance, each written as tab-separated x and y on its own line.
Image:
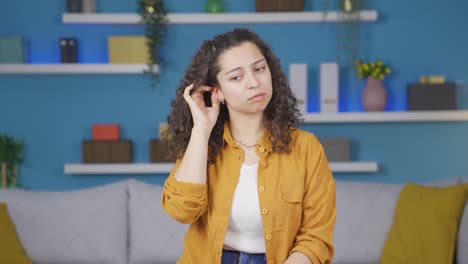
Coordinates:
253	187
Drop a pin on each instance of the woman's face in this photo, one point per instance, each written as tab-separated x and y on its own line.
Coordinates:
244	79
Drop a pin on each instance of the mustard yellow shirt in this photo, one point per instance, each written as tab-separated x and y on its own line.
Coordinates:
296	193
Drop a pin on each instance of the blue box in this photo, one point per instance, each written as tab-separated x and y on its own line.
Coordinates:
12	50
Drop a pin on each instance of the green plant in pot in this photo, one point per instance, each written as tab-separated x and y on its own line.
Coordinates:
154	17
11	155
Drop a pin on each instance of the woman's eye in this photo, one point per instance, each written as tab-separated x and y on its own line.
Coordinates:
260	69
236	78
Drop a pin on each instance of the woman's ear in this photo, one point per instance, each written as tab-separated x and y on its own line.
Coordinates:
219	94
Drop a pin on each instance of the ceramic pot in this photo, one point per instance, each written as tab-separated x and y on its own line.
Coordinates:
214	6
374	95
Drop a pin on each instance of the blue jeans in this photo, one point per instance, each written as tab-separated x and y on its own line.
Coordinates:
237	257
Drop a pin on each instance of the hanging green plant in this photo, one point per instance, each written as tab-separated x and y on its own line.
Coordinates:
154	17
348	33
348	28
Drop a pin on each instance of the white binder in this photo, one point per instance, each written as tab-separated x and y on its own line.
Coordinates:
298	83
329	87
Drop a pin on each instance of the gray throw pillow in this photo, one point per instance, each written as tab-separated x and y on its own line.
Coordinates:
79	226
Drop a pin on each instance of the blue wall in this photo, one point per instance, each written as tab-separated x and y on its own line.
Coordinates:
54	113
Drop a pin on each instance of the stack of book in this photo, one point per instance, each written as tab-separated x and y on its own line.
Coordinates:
106	146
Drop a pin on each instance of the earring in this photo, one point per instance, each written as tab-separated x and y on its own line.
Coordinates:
221	100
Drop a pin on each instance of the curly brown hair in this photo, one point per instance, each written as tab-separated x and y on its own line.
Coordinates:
281	115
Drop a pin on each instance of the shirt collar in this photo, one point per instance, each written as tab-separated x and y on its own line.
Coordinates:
263	142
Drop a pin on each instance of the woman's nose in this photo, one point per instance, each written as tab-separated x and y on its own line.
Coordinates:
252	80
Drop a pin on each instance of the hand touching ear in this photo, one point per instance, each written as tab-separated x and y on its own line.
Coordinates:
203	117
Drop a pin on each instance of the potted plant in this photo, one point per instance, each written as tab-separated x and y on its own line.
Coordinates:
154	17
374	94
11	154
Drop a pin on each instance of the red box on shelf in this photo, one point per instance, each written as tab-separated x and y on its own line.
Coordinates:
105	132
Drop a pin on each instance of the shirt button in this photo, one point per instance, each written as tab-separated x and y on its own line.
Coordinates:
261	188
267	236
262	149
264	211
264	164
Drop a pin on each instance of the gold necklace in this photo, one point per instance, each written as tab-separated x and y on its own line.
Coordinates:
245	145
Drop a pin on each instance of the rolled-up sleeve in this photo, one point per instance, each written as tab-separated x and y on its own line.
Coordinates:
315	236
184	201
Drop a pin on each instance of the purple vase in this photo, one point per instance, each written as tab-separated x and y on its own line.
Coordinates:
374	95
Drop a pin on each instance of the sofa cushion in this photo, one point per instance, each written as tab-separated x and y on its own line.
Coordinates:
78	226
154	237
462	245
424	215
10	244
364	216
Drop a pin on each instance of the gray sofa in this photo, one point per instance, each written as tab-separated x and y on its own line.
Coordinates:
123	222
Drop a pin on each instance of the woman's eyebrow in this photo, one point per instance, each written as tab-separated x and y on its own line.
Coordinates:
238	68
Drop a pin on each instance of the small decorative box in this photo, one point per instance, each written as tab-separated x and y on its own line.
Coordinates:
432	79
158	152
279	5
13	50
336	149
107	151
128	49
105	132
431	96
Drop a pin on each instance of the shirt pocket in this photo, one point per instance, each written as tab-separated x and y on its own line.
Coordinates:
292	196
292	192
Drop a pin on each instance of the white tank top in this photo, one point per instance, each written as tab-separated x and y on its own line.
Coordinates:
245	230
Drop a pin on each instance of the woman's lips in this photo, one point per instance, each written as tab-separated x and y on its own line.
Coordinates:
257	97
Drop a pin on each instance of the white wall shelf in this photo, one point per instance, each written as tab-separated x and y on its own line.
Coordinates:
204	18
379	117
354	166
118	168
151	168
72	68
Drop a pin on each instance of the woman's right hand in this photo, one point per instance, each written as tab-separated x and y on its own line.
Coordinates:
204	117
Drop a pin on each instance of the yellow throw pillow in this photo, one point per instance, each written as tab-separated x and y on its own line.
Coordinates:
425	226
10	245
